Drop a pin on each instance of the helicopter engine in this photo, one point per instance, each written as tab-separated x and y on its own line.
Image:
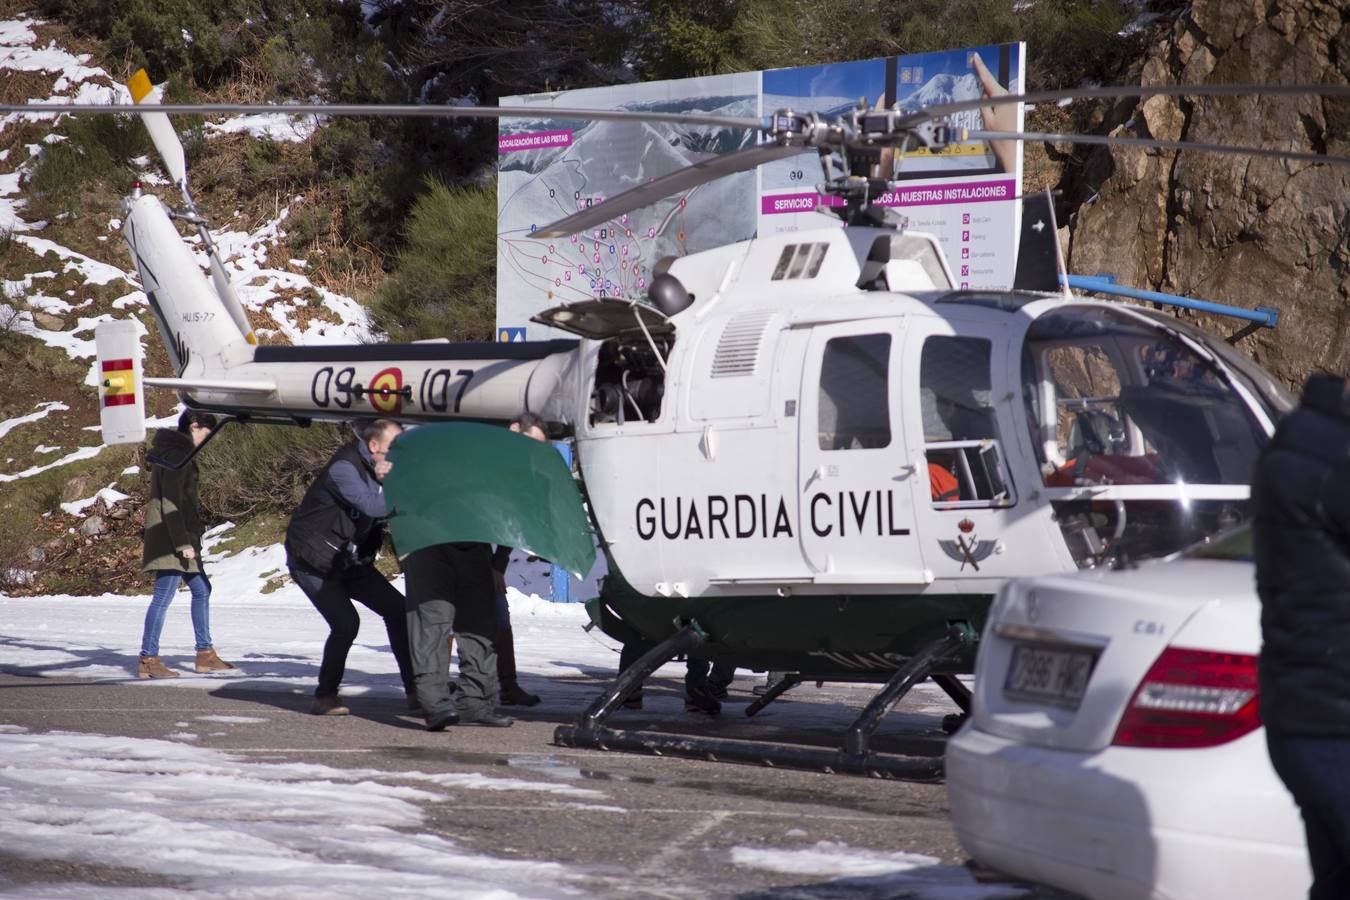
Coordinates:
630	380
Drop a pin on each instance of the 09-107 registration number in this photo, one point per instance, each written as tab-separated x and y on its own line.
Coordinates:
1054	676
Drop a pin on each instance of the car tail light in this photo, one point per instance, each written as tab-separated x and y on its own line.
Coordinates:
1192	698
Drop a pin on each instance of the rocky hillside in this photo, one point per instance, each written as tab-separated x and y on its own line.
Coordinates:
1249	232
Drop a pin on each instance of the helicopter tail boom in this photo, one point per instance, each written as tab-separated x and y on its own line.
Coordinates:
200	335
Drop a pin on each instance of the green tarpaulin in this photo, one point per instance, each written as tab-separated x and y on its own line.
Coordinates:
461	481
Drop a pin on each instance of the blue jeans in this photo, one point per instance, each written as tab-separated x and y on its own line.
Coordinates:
166	585
1316	769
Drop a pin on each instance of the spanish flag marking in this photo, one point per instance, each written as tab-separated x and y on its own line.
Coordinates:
386	391
139	85
119	382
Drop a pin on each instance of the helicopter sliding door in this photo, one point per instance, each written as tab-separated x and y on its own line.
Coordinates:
955	382
855	507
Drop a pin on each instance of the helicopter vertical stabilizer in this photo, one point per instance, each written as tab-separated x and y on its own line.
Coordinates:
121	397
1040	262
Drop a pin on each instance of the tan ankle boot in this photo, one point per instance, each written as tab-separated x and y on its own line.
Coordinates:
151	667
329	706
208	661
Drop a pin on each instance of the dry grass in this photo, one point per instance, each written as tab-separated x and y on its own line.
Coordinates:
20	87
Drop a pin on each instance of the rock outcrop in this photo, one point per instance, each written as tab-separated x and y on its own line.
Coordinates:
1245	231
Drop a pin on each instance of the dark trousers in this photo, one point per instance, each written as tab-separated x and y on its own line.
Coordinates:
697	679
332	597
1316	769
451	588
703	676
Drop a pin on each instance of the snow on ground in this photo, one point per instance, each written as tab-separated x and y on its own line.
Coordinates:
874	873
95	799
276	637
288	829
109	495
274	126
42	410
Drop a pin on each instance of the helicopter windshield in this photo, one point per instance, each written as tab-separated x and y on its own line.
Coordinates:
1144	439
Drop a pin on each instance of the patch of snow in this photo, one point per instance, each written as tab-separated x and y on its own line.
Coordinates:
9	209
886	874
43	409
16	289
53	305
89	799
109	495
75	456
270	126
93	271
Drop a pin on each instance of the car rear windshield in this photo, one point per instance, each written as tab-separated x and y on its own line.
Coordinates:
1235	545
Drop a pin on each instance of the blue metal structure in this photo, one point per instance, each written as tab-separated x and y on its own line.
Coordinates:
562	580
1106	284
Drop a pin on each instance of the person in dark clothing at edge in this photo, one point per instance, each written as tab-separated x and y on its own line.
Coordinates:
511	693
331	544
706	683
173	545
1301	535
461	587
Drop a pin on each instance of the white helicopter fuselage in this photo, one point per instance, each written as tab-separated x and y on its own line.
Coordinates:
782	433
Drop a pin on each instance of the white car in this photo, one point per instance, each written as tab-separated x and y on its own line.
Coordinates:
1115	748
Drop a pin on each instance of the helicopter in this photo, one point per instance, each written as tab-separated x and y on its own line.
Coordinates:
809	453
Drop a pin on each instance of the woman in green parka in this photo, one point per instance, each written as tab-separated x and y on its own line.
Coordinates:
173	544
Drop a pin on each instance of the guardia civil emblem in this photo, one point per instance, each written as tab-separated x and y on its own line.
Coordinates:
967	549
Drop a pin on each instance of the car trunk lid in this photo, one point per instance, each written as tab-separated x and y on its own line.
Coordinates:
1062	656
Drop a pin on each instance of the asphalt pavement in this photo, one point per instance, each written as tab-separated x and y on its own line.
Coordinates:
664	828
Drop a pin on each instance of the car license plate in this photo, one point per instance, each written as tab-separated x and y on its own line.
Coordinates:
1055	676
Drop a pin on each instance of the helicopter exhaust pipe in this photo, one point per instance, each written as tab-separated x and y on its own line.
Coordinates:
855	758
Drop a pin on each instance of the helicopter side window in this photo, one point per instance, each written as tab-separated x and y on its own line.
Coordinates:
854	393
961	442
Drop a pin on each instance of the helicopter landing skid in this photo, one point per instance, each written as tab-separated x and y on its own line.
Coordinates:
854	758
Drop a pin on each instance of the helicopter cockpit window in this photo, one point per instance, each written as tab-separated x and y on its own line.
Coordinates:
961	442
1115	402
854	393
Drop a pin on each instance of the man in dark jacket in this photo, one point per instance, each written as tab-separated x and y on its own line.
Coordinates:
1301	506
331	544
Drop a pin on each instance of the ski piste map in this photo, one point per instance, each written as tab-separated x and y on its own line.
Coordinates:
549	168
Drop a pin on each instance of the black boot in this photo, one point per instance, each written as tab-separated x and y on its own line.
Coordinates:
510	691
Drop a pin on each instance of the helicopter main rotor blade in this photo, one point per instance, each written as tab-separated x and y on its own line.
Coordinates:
1191	146
388	109
674	183
938	110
